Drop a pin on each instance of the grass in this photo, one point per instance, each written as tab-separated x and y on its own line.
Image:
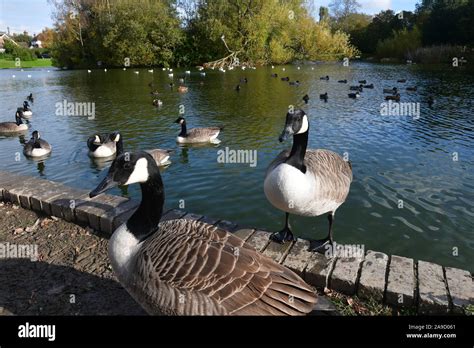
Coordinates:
10	64
353	306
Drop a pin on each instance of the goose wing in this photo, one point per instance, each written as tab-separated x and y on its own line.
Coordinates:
193	268
333	173
203	134
8	126
160	156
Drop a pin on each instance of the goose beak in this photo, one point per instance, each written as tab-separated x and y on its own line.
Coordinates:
105	185
285	134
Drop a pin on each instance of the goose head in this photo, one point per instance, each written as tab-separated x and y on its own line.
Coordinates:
35	136
128	168
19	116
180	120
296	123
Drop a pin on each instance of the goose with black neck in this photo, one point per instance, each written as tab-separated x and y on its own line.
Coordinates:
306	182
160	263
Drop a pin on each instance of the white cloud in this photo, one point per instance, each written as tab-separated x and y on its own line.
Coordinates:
375	6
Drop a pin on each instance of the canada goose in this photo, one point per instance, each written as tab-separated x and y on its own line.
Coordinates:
102	146
342	81
306	98
157	102
306	182
412	89
402	80
237	88
371	86
393	90
294	83
27	113
14	127
182	89
285	78
324	78
171	84
36	147
244	80
197	135
356	88
30	98
275	75
363	82
354	95
395	97
324	96
215	272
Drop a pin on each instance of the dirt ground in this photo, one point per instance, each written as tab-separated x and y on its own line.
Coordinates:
71	276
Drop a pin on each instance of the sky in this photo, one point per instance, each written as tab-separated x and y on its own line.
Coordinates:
34	15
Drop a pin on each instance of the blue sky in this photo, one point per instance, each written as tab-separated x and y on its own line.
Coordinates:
34	15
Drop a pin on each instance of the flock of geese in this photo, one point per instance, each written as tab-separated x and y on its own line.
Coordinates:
187	267
355	90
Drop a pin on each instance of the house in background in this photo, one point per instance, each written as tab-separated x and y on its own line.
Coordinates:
36	43
4	37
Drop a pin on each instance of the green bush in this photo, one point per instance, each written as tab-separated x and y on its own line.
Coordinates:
402	45
13	51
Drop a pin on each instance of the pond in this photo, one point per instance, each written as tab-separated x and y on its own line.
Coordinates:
413	188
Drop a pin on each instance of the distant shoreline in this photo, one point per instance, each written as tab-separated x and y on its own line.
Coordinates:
38	63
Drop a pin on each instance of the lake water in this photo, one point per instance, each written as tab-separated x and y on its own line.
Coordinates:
395	158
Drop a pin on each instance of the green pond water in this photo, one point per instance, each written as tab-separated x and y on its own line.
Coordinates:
427	163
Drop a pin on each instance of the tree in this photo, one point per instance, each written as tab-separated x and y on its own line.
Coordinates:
342	8
323	14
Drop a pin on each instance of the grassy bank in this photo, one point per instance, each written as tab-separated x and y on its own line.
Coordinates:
10	64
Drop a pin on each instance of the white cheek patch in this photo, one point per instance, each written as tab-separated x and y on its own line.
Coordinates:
117	138
140	173
304	126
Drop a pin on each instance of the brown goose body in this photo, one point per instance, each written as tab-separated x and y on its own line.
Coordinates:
333	177
200	135
193	268
12	127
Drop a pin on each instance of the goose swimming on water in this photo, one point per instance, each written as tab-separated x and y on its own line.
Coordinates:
215	272
36	146
197	135
306	182
27	113
14	127
103	146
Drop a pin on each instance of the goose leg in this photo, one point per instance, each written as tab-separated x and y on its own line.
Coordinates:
320	244
285	234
